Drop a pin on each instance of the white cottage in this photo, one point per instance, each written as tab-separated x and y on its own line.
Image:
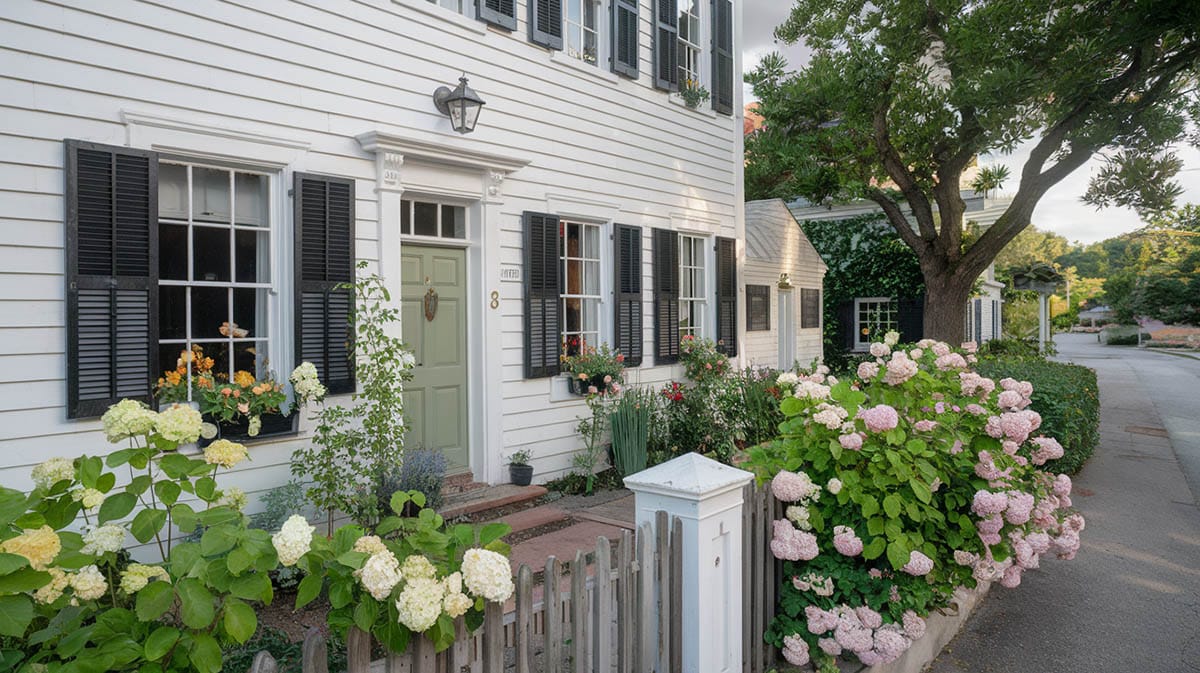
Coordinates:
169	169
784	276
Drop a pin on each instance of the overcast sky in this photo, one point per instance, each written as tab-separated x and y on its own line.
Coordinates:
1060	210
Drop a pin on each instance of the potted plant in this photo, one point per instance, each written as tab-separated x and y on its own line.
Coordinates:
519	469
592	370
692	93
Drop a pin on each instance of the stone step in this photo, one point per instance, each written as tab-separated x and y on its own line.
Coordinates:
535	517
461	482
492	497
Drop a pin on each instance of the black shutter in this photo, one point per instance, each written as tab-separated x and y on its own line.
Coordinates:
625	29
499	13
666	296
542	320
727	296
845	319
546	23
810	309
978	335
722	56
758	308
324	259
627	265
911	319
995	319
666	44
112	275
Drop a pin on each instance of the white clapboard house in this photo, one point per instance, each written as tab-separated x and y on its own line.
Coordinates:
168	167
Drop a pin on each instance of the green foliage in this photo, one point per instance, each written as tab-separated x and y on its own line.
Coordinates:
1067	396
288	654
1014	348
354	447
630	422
424	471
592	428
989	178
576	483
701	360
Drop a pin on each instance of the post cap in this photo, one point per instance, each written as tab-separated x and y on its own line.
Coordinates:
689	476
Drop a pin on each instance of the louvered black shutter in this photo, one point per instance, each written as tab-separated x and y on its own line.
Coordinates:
910	317
542	319
546	23
666	296
758	308
722	56
499	13
995	319
666	44
324	225
978	334
845	318
727	296
112	275
627	265
625	29
810	308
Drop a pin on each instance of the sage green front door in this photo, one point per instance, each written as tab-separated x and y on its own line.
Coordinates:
434	320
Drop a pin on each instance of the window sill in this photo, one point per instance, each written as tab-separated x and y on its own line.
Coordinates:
704	108
438	12
560	57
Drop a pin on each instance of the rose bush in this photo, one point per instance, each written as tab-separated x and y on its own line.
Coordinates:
903	483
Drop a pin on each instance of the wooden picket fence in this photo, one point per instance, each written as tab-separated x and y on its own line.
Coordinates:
626	619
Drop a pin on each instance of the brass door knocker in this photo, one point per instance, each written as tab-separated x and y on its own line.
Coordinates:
431	304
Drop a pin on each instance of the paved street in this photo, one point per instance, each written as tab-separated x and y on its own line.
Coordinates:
1131	600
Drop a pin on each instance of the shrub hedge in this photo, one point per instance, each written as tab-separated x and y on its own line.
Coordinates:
1067	397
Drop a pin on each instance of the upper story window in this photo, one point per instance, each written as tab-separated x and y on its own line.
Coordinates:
465	7
433	220
873	317
689	44
693	286
215	297
583	30
580	257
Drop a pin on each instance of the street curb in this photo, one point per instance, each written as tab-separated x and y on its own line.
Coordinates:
1175	352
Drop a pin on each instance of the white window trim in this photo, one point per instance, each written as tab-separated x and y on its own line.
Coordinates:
444	242
435	10
603	326
858	301
708	324
702	45
603	30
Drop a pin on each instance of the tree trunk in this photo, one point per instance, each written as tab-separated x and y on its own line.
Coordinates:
946	307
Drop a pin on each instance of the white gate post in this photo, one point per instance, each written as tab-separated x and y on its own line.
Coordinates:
707	497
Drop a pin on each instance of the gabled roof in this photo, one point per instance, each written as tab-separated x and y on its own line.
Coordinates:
768	226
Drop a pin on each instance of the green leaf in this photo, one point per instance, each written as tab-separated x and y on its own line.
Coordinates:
116	506
898	553
119	458
217	540
217	516
147	524
105	482
12	505
492	532
240	622
874	548
154	600
399	499
205	653
345	537
309	589
790	406
921	490
340	594
139	484
184	517
206	489
167	491
365	613
11	563
870	506
184	557
89	471
175	465
196	603
160	642
25	579
16	612
875	525
238	560
253	587
891	506
353	559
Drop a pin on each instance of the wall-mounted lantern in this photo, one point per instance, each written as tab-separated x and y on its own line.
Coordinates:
461	104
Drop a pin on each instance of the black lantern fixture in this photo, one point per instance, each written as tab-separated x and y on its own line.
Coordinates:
461	105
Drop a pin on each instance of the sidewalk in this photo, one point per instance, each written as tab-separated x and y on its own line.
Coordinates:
1130	601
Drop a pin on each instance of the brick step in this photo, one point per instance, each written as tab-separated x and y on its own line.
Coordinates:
535	517
479	501
462	482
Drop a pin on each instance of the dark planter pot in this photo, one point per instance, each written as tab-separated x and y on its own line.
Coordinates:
238	430
521	474
580	386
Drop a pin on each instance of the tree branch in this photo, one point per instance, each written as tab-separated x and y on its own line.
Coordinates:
898	221
898	171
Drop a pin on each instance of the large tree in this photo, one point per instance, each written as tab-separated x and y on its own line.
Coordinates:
900	98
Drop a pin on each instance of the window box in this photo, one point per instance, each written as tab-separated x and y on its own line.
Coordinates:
580	387
273	425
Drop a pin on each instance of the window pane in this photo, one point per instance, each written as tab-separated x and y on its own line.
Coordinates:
698	283
249	313
571	314
210	308
572	244
589	15
168	357
405	216
172	191
253	257
592	239
591	278
251	357
219	352
574	276
210	195
172	312
454	222
685	284
425	219
250	199
172	251
591	315
210	258
573	7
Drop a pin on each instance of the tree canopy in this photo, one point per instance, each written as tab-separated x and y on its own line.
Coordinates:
900	98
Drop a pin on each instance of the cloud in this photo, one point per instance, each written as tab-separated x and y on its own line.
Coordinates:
759	19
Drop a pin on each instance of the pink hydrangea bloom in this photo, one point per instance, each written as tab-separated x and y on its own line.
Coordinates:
914	625
868	370
790	544
894	594
924	425
795	650
846	542
918	564
900	369
966	558
957	448
890	643
1048	448
820	621
875	573
852	441
791	486
992	524
976	410
916	353
1020	505
993	428
1010	447
1025	557
880	350
940	348
1011	577
1075	522
829	646
1039	542
973	384
950	361
852	636
987	503
1010	399
868	617
970	346
879	418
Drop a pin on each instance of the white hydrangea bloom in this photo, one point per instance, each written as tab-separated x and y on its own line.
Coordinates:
107	538
811	389
179	423
90	498
128	418
487	574
137	576
456	605
787	379
306	383
420	603
225	453
417	566
52	590
834	486
53	471
293	540
89	583
891	338
369	544
235	498
798	515
380	574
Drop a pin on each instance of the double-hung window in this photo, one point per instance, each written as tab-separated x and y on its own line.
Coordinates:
466	7
689	44
693	286
873	317
580	258
215	292
583	30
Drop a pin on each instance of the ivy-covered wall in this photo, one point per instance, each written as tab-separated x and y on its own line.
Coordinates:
866	258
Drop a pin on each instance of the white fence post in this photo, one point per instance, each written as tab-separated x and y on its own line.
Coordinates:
707	497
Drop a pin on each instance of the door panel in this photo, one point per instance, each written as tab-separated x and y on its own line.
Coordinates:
437	412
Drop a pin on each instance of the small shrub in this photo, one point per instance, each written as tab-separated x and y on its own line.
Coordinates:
576	483
701	360
1067	396
279	504
423	470
1012	347
630	422
758	412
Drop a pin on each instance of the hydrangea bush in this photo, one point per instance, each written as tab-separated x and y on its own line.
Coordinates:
913	478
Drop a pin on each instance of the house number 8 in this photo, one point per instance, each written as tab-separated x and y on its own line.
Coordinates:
495	299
